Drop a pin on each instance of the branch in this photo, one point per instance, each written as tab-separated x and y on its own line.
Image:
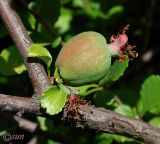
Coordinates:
18	104
23	42
98	119
108	121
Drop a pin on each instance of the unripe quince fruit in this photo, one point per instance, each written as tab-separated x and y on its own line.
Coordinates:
85	59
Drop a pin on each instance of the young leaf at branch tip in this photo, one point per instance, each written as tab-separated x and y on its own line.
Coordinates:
38	51
53	100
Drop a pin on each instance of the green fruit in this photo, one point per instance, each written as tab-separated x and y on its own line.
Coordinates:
84	59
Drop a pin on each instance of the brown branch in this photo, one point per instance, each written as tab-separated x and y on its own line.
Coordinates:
23	42
18	104
98	119
108	121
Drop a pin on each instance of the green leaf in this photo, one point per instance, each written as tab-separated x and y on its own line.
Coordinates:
86	90
116	71
126	110
106	138
37	50
53	100
115	10
2	133
103	138
78	3
150	95
11	62
42	123
155	121
63	22
31	19
52	142
92	9
56	42
45	124
123	139
57	77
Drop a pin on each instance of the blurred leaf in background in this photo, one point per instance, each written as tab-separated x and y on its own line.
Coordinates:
11	62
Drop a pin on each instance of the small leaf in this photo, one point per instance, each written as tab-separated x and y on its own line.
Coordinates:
53	100
155	121
78	3
31	19
37	50
150	95
42	123
56	41
126	110
115	10
116	71
86	90
45	124
93	9
64	20
57	77
11	62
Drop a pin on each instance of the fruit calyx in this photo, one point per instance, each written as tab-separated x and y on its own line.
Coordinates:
119	46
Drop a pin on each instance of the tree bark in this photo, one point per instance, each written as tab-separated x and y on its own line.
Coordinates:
16	104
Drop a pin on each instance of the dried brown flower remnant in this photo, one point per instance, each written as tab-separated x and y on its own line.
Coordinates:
125	49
